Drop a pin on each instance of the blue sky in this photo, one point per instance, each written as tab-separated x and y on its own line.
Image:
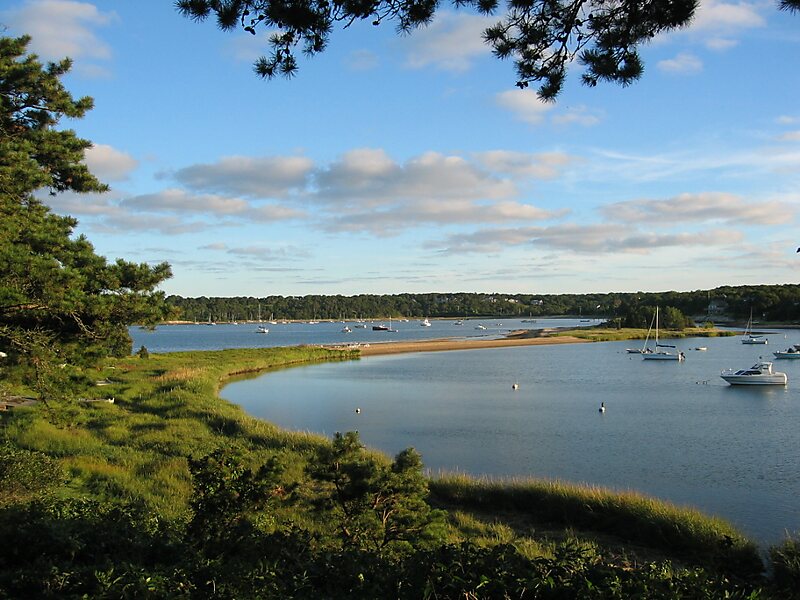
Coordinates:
413	164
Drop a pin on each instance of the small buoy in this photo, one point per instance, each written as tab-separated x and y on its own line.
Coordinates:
514	386
602	407
358	411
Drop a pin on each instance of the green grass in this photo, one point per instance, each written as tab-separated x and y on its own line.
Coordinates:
615	335
680	532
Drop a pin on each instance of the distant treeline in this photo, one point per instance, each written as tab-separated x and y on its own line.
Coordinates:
768	303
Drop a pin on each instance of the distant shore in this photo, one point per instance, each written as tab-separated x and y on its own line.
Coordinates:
520	338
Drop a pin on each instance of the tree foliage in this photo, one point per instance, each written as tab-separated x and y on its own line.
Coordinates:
60	302
542	37
375	505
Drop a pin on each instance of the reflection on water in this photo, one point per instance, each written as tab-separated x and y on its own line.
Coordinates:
673	430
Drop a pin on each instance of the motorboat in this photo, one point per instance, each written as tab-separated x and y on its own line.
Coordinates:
262	329
760	373
425	323
791	352
383	327
346	329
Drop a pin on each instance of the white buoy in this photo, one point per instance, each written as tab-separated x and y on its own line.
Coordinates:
602	407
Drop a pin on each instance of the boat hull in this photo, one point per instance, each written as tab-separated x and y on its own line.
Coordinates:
662	356
774	379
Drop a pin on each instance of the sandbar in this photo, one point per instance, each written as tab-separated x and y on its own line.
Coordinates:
443	345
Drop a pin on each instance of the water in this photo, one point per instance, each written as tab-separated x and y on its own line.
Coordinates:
179	338
673	430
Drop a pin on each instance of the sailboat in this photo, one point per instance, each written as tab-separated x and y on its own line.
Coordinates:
662	354
748	337
644	349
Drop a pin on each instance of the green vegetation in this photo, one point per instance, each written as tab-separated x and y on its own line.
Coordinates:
775	303
172	492
61	305
603	334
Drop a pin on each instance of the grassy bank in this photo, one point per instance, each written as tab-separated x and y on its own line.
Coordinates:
166	412
599	334
166	408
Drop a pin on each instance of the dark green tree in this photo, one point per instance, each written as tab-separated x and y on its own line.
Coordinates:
60	302
375	505
542	37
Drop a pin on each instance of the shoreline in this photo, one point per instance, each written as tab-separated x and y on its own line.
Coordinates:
446	345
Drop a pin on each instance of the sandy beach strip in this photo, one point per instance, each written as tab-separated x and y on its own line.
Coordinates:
442	345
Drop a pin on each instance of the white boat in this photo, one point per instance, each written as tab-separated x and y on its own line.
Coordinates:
425	323
658	353
480	327
346	329
262	329
760	373
791	352
459	322
748	337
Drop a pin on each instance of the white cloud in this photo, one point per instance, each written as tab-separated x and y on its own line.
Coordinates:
790	136
452	42
582	239
683	64
580	115
368	177
705	207
362	60
109	164
525	104
180	201
265	177
62	28
546	165
718	17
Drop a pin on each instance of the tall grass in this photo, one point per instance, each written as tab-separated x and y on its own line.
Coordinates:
630	516
602	334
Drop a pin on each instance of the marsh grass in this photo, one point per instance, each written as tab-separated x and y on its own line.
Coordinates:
605	334
678	531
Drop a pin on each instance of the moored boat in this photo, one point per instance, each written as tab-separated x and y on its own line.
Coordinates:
748	337
658	353
791	352
760	373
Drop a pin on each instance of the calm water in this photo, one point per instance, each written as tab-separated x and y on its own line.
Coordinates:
178	338
675	431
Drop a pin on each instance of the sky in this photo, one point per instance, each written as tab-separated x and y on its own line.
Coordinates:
412	163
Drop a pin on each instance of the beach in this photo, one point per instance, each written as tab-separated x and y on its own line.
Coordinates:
522	338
